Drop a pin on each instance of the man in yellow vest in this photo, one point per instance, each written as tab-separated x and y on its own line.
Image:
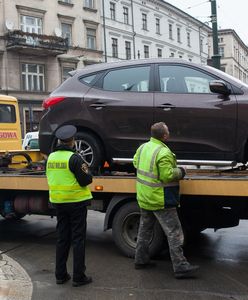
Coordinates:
68	177
158	197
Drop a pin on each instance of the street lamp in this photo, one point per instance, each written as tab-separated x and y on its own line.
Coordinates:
216	56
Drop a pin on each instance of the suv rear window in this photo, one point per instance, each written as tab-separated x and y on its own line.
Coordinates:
7	113
88	79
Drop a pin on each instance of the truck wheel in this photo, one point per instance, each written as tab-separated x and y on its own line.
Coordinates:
14	216
125	231
90	149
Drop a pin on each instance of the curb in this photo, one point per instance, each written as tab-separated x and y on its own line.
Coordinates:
15	283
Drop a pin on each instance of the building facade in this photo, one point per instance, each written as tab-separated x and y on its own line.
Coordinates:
233	52
134	29
40	42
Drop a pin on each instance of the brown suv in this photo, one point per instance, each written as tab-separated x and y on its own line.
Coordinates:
113	106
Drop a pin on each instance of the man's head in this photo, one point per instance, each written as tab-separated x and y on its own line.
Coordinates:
160	131
66	134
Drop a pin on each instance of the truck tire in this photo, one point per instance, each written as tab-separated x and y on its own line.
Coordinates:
14	216
125	231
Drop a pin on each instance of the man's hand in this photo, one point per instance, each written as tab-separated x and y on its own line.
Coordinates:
85	168
183	171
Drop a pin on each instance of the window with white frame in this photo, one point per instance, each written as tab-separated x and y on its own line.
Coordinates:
170	32
31	24
158	25
146	51
65	72
89	3
188	39
67	32
33	77
179	35
201	44
114	47
125	15
66	1
159	52
91	38
144	21
128	49
221	51
112	10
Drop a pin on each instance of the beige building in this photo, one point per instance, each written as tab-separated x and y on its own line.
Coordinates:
234	54
40	42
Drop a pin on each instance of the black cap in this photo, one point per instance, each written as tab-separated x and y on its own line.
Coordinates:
66	132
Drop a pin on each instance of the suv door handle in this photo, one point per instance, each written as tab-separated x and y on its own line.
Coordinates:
166	106
98	105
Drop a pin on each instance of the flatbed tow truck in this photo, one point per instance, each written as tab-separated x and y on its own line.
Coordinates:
210	198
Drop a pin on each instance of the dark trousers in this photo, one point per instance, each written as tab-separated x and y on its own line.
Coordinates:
71	229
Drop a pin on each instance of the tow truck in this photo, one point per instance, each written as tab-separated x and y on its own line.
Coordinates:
211	197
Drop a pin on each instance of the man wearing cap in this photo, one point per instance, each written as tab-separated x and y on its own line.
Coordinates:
68	177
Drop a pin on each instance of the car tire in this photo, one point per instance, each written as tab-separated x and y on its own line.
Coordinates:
125	231
90	149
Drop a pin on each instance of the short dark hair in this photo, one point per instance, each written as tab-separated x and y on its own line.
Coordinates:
158	130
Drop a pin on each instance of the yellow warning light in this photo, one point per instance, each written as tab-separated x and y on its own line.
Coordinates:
98	188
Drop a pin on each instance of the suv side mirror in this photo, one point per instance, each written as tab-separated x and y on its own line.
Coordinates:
219	87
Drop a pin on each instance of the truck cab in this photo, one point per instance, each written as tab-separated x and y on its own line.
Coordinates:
10	132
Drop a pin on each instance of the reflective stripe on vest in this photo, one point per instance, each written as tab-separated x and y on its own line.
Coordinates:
150	173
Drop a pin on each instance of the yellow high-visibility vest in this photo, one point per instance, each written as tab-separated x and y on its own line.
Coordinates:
63	185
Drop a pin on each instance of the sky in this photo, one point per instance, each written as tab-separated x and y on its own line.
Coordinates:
231	14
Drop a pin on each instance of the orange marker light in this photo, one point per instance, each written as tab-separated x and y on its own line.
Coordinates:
98	188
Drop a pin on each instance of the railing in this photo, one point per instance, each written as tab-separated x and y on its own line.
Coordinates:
19	38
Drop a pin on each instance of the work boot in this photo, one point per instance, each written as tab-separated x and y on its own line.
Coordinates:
83	281
187	271
148	265
63	280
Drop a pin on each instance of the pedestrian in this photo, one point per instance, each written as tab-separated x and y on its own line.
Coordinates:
68	177
158	197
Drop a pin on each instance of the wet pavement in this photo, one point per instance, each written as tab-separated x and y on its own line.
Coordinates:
28	253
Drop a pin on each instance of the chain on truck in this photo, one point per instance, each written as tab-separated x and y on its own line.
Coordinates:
213	197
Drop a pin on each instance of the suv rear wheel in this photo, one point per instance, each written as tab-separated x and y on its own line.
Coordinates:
90	149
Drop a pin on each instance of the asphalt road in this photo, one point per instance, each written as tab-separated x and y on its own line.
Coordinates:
27	266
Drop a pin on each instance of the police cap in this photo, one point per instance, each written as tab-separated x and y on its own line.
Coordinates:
66	132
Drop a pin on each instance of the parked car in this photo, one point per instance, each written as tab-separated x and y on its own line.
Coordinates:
31	140
114	104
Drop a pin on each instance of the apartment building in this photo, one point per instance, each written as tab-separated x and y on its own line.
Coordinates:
233	52
134	29
40	42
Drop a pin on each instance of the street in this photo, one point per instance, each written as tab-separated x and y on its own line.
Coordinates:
30	242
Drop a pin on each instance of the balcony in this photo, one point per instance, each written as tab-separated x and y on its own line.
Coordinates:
35	44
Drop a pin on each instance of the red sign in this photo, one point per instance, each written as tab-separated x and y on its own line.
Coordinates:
8	135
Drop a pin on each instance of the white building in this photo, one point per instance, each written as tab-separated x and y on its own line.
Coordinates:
234	53
135	29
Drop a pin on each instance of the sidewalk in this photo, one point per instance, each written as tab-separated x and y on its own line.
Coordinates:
15	284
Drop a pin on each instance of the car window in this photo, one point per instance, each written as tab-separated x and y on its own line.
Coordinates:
181	80
134	79
88	79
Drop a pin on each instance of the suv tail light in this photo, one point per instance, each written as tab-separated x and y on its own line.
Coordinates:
52	101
